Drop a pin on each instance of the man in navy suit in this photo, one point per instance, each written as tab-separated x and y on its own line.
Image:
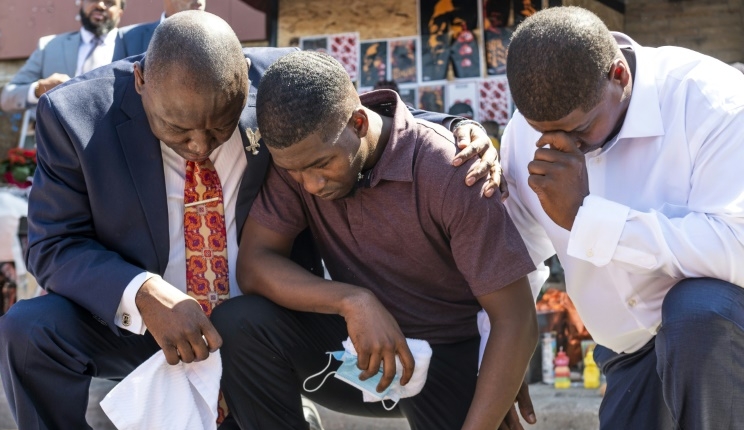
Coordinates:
106	214
60	57
137	36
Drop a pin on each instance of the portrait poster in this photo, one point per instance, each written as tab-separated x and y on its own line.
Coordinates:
408	96
449	36
403	60
462	93
344	47
494	100
496	41
314	43
431	98
374	63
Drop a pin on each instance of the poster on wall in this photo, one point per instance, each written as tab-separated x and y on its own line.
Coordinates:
462	99
374	65
497	33
314	44
449	32
344	47
408	95
496	41
494	100
403	60
431	98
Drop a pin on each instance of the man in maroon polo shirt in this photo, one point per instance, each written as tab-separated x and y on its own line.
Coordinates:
412	252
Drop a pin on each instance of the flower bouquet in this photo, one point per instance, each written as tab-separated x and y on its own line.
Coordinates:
18	168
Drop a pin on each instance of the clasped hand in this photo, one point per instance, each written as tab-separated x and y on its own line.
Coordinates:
559	178
474	142
177	322
377	339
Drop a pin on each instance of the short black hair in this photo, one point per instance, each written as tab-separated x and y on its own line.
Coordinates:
198	49
303	93
558	61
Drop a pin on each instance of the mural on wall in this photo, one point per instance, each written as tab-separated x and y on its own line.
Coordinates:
431	98
403	60
449	35
494	100
408	95
374	65
462	98
314	44
344	47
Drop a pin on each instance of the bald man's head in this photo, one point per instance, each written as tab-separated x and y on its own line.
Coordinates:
194	85
196	48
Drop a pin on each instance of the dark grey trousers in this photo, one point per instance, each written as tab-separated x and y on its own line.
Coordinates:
691	375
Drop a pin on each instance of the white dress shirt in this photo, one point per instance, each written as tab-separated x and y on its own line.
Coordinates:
666	196
86	44
229	161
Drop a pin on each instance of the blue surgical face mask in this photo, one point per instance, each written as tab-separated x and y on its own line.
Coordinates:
349	373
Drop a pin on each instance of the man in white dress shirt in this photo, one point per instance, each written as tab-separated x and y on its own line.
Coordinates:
626	162
60	57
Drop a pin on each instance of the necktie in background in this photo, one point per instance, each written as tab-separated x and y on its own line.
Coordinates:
206	242
96	56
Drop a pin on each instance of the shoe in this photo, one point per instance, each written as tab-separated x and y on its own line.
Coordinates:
311	415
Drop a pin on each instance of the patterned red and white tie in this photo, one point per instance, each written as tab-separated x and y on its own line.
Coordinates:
206	243
206	238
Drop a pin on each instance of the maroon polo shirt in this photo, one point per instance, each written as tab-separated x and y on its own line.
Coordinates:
413	233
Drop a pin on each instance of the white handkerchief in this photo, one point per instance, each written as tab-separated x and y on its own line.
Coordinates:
157	395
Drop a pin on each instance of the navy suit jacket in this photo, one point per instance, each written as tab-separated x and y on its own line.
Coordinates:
137	37
97	210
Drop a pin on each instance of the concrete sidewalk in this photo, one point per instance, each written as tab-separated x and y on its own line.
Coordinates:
571	409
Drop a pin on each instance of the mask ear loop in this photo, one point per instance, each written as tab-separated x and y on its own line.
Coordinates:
304	383
395	403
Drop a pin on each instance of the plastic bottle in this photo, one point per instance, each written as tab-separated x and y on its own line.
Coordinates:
562	372
548	354
591	371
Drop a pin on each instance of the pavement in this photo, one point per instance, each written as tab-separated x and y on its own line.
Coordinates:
570	409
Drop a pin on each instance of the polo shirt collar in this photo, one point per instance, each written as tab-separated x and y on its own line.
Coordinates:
396	161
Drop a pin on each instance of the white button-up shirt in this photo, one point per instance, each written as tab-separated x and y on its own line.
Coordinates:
666	196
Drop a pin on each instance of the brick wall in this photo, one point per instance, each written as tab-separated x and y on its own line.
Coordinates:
713	27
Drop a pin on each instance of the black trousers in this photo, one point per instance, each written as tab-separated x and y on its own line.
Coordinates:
268	351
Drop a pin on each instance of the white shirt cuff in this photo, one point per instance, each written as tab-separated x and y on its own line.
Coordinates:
31	96
127	314
596	230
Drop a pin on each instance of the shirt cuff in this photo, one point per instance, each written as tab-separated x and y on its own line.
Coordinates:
127	314
31	96
596	230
